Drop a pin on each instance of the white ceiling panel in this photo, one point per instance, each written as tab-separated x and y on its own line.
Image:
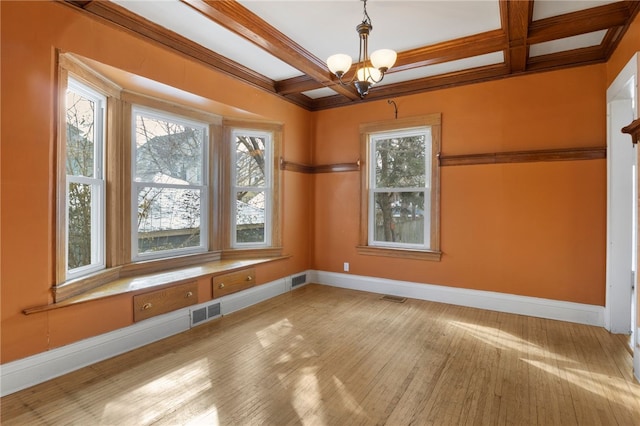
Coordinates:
327	27
568	43
443	68
182	19
547	8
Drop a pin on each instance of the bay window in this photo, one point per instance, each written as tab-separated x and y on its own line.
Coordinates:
146	184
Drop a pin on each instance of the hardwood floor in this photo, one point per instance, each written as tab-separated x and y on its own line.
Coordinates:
326	356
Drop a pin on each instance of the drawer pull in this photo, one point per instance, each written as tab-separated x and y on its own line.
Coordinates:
249	278
189	294
146	306
221	285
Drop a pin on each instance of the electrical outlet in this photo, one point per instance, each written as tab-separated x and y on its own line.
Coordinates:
346	266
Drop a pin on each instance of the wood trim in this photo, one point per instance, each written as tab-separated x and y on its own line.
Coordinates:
434	122
514	37
633	129
238	19
571	154
60	220
171	107
322	168
400	253
252	253
84	284
159	265
88	75
157	280
576	23
516	24
123	18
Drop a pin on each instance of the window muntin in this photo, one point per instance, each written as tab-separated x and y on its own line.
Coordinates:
85	181
399	198
252	159
169	185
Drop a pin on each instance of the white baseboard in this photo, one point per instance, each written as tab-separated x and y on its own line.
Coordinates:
26	372
501	302
23	373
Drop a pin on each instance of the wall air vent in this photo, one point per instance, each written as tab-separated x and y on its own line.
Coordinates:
205	313
298	280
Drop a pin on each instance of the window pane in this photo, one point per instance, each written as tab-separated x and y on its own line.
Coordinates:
400	162
168	151
250	164
81	134
399	217
168	218
250	209
80	225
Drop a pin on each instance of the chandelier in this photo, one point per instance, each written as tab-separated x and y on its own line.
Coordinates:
369	69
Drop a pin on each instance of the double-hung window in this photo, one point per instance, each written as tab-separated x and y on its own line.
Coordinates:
252	188
84	196
169	185
400	205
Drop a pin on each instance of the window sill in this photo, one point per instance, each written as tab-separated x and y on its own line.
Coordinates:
135	284
429	255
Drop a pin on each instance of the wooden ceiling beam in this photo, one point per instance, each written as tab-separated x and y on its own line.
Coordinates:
240	20
123	18
475	75
298	84
516	18
581	22
569	58
465	47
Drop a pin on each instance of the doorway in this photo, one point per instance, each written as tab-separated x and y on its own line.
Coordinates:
622	214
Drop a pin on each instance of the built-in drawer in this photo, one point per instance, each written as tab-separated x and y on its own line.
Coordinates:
233	281
169	299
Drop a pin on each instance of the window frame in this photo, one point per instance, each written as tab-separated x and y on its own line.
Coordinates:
203	187
267	188
273	248
432	251
97	183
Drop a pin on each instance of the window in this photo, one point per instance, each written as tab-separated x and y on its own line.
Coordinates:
146	184
169	185
84	193
251	176
400	205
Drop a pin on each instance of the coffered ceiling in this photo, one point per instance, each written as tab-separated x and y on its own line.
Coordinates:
281	46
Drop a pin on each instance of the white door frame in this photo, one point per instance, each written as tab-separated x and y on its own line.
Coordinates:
622	108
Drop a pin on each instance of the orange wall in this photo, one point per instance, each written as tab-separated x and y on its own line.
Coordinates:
534	229
31	32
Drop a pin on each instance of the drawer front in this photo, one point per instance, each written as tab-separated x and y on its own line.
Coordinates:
234	281
158	302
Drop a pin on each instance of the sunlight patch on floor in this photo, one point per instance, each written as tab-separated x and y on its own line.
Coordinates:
348	400
616	390
149	401
209	418
274	332
503	340
307	399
